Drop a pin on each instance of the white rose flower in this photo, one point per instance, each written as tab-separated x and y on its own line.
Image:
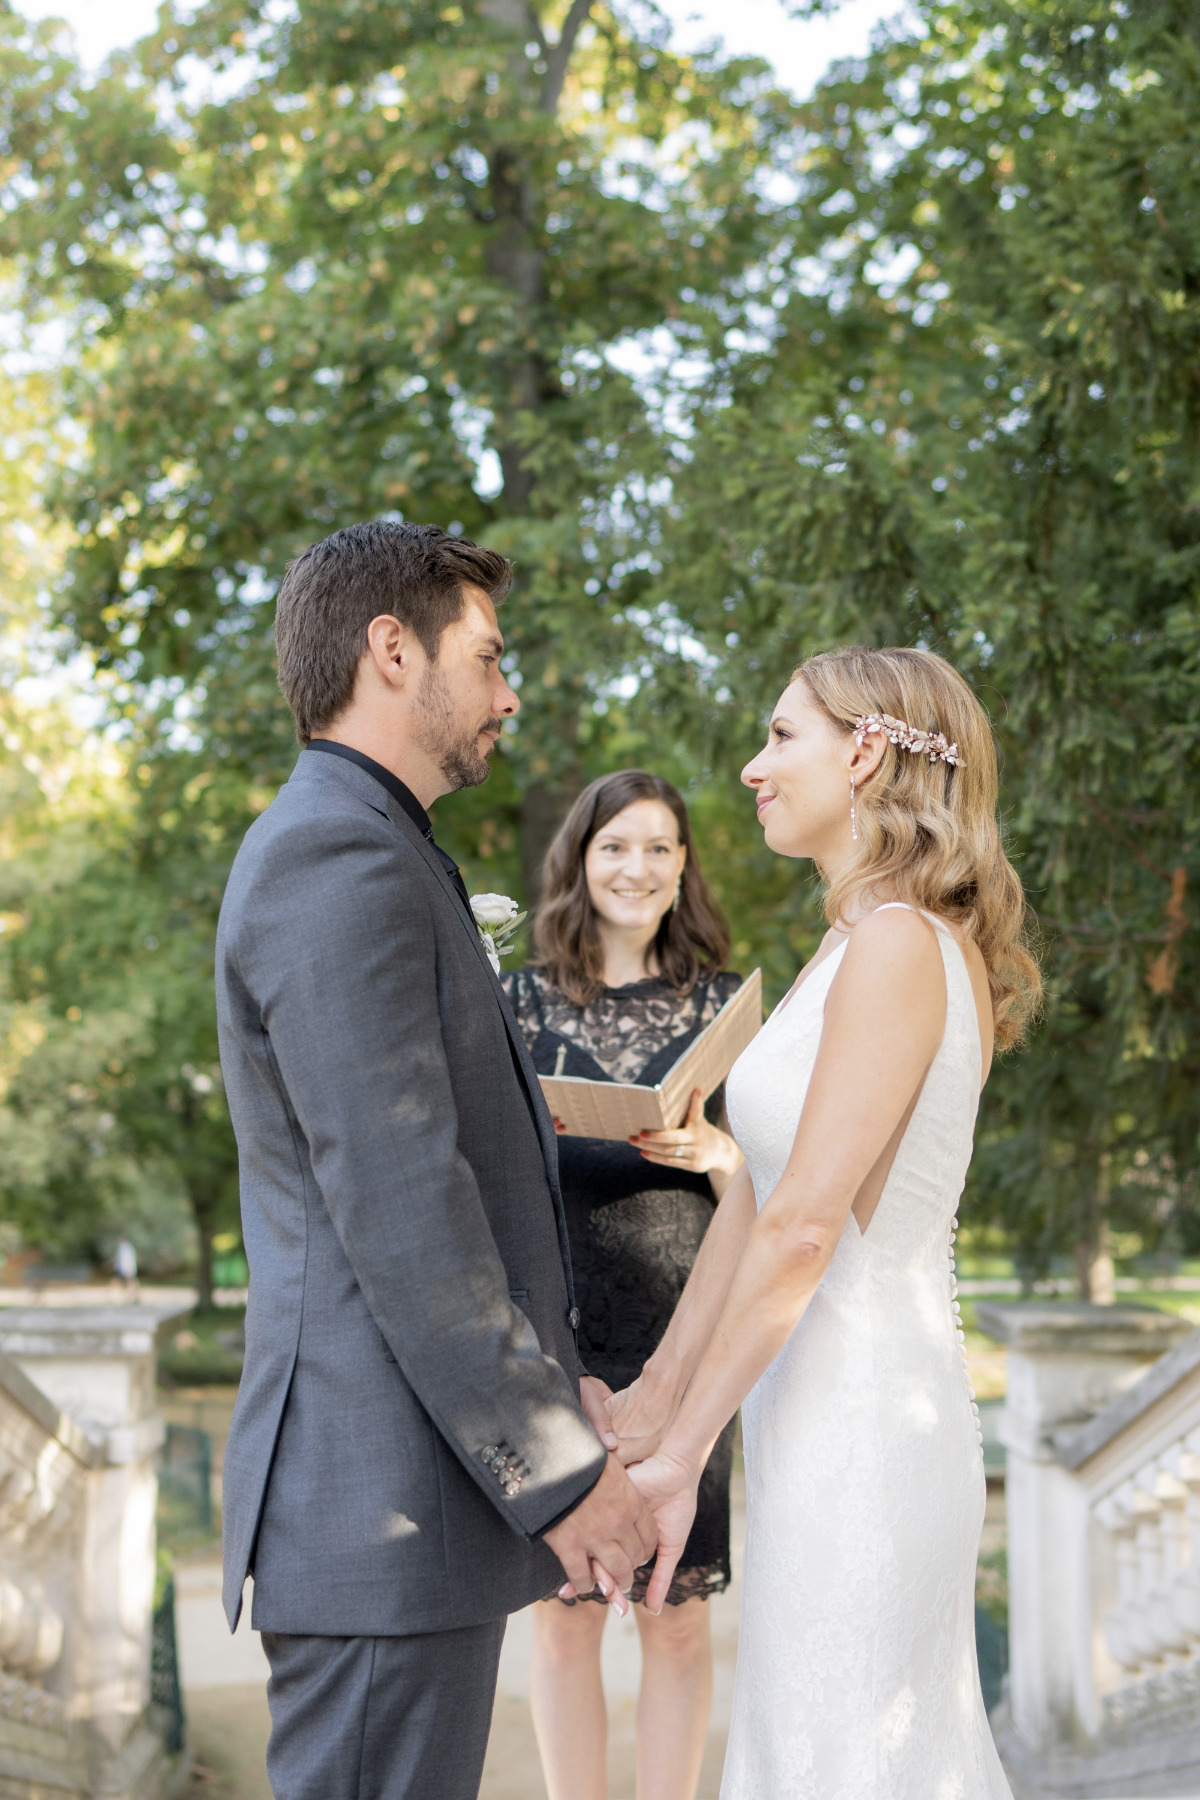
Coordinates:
493	910
496	919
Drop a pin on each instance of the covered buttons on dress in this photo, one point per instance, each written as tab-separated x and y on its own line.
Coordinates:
960	1334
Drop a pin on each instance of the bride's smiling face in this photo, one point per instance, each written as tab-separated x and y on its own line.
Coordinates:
801	779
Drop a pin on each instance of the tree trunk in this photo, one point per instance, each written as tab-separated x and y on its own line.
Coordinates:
1094	1275
516	255
204	1279
543	809
516	258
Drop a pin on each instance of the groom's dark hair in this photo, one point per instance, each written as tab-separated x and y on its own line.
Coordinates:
335	588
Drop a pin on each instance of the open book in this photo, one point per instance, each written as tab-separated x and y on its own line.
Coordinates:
616	1109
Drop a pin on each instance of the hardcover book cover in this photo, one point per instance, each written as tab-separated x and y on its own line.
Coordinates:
616	1109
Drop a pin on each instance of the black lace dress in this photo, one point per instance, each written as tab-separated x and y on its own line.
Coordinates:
635	1227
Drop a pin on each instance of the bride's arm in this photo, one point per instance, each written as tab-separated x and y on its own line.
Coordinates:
884	1020
641	1413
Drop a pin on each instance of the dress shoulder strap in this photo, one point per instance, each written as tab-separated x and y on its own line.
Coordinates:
938	924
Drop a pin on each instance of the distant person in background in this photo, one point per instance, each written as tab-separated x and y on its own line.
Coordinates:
628	968
125	1264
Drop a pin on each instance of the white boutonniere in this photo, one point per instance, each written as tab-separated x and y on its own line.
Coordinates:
496	918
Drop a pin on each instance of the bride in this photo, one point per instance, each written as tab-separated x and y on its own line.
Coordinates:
822	1300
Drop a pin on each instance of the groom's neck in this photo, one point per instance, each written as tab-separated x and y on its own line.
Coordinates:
418	771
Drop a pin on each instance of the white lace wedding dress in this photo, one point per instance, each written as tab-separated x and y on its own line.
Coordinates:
856	1673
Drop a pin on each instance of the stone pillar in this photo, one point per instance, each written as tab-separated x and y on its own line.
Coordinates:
95	1362
1066	1361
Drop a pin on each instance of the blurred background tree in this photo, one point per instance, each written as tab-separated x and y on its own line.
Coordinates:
973	425
732	378
112	1121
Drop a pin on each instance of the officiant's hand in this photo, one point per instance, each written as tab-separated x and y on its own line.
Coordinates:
611	1525
697	1145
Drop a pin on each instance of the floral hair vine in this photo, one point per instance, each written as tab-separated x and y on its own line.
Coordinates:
932	744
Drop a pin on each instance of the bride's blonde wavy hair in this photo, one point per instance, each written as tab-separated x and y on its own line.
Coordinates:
928	831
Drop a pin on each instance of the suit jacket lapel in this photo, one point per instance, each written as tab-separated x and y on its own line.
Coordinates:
363	783
542	1120
383	802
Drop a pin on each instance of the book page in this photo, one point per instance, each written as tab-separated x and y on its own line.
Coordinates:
616	1109
706	1062
603	1109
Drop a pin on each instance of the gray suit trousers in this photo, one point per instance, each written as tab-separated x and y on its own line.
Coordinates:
381	1718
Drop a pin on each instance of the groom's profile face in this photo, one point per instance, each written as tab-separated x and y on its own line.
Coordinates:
463	699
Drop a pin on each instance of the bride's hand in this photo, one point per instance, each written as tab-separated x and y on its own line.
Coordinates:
640	1415
669	1486
594	1396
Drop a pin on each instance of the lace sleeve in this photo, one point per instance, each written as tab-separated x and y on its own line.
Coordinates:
721	990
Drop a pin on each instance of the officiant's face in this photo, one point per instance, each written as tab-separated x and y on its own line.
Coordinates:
463	699
633	865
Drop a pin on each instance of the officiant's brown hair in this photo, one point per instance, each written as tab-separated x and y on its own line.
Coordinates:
693	938
335	588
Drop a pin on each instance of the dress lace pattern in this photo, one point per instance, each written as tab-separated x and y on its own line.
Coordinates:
856	1675
635	1229
624	1028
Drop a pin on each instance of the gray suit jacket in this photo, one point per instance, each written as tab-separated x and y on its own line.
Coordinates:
408	1418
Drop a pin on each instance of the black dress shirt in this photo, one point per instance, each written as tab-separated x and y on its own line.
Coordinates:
403	796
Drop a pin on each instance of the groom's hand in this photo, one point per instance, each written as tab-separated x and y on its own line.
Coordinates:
613	1525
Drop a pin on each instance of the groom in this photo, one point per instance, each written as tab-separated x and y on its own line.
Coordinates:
409	1459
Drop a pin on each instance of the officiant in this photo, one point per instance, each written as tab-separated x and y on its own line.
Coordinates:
628	968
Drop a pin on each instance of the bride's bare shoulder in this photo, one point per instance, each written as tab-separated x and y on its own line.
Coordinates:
891	985
892	932
894	952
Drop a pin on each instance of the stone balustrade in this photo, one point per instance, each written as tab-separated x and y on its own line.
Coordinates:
1102	1429
79	1433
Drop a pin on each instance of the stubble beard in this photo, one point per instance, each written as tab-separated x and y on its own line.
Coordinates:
441	735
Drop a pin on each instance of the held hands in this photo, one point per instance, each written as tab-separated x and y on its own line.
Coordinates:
637	1419
696	1145
609	1535
640	1415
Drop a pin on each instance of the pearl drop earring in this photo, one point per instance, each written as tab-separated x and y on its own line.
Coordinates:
853	813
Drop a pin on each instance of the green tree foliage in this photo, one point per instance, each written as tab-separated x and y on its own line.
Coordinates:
974	426
918	363
111	1117
400	238
403	236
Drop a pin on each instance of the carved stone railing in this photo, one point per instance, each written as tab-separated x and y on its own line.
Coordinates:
1102	1429
79	1433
